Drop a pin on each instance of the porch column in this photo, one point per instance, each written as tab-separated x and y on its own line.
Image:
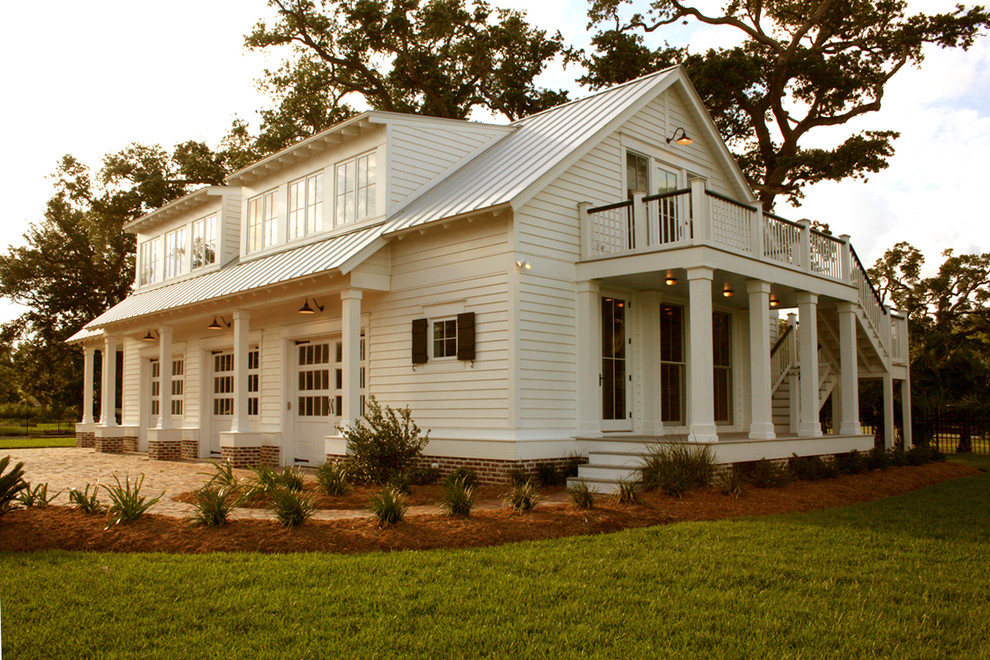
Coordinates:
165	377
649	361
242	326
848	372
701	403
907	432
350	304
108	393
761	414
588	344
888	411
89	353
809	425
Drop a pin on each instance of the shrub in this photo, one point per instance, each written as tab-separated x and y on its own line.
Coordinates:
809	468
582	496
898	457
628	492
214	502
523	497
291	507
400	481
11	483
767	474
389	506
467	475
424	476
85	501
730	482
877	459
518	476
37	498
264	481
921	454
127	503
850	463
388	443
457	498
332	478
223	474
676	468
547	474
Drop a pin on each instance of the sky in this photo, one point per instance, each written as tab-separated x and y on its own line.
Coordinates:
90	78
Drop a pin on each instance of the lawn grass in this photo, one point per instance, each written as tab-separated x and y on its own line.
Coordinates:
34	443
902	577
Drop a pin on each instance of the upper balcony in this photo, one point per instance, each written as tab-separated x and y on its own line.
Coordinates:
695	216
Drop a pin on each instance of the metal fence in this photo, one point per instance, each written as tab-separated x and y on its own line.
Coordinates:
954	432
35	427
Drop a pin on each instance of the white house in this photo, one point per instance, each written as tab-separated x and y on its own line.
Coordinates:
584	280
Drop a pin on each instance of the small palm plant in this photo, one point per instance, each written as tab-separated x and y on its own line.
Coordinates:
37	497
291	507
11	484
333	478
214	503
127	503
523	497
85	501
582	496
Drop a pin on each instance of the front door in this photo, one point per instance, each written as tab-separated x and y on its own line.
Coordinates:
615	375
317	397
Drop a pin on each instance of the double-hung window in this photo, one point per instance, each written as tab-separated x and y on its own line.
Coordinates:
305	206
355	192
204	241
150	259
175	252
262	221
445	338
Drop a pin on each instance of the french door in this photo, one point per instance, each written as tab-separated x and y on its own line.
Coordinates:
615	374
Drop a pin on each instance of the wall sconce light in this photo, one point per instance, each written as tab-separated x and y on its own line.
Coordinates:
683	140
727	291
306	309
522	264
217	326
671	280
774	301
151	337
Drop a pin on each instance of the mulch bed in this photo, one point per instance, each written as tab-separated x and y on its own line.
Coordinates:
64	528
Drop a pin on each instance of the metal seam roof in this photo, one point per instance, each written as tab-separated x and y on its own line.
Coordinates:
264	271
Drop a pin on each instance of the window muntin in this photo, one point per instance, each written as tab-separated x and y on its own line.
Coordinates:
354	197
223	384
445	338
204	241
175	252
305	206
150	259
313	373
262	221
178	386
613	358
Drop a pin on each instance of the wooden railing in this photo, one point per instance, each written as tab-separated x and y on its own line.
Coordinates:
610	227
782	358
869	299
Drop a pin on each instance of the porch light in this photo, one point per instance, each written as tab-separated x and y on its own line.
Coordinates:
306	309
774	301
727	291
523	264
671	280
683	140
217	326
148	337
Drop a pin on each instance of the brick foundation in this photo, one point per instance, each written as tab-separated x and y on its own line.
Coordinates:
270	455
164	450
85	439
190	449
489	470
109	445
130	443
241	457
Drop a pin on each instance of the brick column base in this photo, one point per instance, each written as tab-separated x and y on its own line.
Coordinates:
190	449
270	455
109	445
241	457
164	450
85	439
130	443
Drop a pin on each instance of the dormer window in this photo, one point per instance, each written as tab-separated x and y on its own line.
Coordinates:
355	193
305	206
262	221
175	252
204	241
150	261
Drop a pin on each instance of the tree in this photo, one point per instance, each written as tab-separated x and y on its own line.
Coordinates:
434	57
802	65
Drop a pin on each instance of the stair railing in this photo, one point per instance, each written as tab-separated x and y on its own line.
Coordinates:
782	359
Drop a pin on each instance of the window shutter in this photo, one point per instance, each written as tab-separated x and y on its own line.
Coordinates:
419	354
465	336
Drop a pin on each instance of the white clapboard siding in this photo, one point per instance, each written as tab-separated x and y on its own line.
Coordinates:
131	400
229	227
271	375
193	368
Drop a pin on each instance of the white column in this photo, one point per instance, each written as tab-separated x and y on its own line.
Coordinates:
242	326
809	425
588	345
649	360
350	304
761	416
848	372
89	353
701	381
907	434
165	377
888	411
108	394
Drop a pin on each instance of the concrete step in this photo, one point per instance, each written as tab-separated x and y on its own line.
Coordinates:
608	472
629	459
599	486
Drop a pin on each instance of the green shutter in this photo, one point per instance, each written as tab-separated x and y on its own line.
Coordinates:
465	336
419	352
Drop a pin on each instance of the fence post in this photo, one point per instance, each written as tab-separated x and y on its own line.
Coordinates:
700	211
